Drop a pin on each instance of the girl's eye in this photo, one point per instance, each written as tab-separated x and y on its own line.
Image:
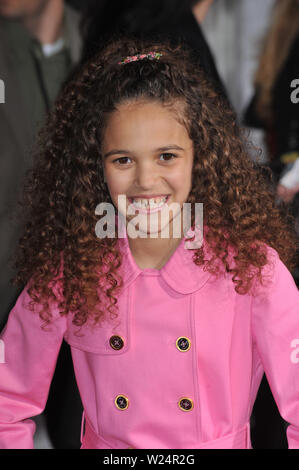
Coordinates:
167	156
122	160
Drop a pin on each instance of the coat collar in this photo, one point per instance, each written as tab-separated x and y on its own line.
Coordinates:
180	272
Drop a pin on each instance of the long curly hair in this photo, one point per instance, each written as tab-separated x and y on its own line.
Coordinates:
59	255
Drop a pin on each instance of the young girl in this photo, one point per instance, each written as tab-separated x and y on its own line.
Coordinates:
169	343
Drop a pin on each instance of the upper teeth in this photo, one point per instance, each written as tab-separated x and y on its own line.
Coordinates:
150	203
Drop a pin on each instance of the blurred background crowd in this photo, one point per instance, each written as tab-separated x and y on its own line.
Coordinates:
249	49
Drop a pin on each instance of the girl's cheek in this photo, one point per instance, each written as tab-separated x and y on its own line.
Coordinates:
116	191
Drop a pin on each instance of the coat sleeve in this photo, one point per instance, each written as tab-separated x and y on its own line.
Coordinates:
275	324
27	364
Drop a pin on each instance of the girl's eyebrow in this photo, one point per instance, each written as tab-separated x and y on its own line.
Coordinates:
169	147
116	151
160	149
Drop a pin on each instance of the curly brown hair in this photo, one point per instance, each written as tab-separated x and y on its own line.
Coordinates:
59	255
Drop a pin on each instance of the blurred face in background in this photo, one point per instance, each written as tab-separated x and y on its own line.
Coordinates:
200	9
20	9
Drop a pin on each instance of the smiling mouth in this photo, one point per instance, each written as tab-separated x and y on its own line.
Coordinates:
149	204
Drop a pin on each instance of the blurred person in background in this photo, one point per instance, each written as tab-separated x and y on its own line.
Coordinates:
39	44
272	107
175	20
273	110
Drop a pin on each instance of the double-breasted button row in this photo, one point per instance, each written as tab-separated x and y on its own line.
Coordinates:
182	343
122	403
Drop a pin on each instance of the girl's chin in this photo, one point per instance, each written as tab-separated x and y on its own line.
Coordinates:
144	226
151	222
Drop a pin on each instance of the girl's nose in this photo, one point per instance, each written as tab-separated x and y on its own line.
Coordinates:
145	177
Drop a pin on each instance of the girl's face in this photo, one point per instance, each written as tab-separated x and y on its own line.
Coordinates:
148	157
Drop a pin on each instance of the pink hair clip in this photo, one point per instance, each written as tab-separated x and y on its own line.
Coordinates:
133	58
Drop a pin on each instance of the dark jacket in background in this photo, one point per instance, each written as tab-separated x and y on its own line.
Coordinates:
177	28
20	117
189	32
32	82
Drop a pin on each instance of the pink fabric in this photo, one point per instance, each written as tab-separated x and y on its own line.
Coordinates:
236	440
234	338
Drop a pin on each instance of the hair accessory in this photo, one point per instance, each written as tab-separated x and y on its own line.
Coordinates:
133	58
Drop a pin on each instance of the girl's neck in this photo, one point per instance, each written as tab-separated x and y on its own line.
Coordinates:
152	253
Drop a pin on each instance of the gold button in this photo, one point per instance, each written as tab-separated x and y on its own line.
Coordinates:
186	404
121	402
183	344
116	342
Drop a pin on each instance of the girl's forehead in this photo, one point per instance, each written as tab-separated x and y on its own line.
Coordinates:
174	108
137	121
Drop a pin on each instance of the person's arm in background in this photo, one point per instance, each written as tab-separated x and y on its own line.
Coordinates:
288	184
29	355
287	109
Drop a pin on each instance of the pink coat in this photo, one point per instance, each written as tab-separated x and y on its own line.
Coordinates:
179	368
